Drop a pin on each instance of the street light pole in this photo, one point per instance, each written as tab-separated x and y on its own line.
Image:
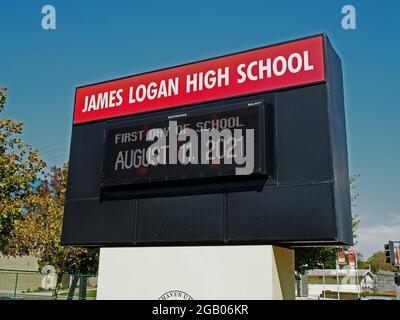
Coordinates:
323	277
337	278
321	264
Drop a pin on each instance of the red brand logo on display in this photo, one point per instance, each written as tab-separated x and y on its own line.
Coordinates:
280	66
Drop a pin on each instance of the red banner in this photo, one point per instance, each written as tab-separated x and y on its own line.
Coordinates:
341	257
284	65
352	258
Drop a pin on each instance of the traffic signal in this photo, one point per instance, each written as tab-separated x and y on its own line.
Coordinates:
397	279
389	252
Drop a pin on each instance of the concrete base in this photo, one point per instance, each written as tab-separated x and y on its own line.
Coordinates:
200	273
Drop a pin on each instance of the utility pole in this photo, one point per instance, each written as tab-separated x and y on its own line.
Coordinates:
397	281
357	280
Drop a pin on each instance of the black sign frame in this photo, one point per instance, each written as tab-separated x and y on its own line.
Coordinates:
305	201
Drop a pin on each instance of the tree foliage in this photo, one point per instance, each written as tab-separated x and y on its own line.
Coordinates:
355	217
20	167
32	205
39	232
378	262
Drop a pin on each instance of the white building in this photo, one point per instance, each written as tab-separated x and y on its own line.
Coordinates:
342	280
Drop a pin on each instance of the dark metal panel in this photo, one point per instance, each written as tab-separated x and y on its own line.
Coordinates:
302	135
85	161
89	222
339	145
181	219
297	212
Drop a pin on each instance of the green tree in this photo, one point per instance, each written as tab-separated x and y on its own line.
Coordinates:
361	263
378	262
315	258
20	168
39	232
318	257
355	217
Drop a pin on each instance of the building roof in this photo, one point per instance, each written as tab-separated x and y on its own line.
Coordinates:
340	273
385	273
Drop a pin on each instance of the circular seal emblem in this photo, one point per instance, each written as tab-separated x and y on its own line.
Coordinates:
175	295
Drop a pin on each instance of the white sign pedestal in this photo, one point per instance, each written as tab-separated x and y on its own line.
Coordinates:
200	273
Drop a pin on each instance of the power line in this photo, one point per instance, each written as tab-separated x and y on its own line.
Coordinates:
59	148
51	146
61	156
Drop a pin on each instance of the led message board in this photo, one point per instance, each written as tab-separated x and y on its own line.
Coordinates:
196	155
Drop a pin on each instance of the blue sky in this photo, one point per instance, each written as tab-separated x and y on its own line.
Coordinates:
100	40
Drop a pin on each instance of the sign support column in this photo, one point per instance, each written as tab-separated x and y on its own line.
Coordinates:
201	272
